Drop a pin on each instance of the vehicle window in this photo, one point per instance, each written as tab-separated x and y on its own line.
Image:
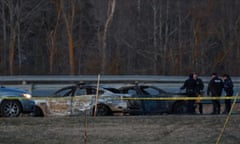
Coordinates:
150	91
65	92
91	91
88	91
81	92
124	91
100	92
132	92
114	90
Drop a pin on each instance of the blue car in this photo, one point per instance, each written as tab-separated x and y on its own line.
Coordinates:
15	101
153	107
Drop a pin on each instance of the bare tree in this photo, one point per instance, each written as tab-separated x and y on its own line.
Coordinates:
165	46
155	31
180	51
4	30
111	10
11	5
16	20
68	17
52	42
18	30
145	37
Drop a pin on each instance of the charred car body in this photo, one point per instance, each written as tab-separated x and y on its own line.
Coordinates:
81	99
151	107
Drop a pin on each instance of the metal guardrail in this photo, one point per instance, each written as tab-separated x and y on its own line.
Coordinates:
104	78
88	78
35	83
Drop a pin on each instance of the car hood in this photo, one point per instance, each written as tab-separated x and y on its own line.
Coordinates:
4	91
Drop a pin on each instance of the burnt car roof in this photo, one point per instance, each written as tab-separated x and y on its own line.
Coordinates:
83	85
141	86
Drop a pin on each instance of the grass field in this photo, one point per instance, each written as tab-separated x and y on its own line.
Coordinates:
165	129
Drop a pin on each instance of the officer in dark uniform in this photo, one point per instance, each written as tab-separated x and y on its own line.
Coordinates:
199	91
190	86
228	88
215	88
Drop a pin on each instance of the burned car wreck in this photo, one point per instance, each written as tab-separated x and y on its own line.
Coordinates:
83	99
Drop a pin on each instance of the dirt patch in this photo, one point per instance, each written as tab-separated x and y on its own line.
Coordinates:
165	129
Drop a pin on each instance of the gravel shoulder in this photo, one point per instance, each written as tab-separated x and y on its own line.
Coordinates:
164	129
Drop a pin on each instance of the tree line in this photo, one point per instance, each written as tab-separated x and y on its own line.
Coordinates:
160	37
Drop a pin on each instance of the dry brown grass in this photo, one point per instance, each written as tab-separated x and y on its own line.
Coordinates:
166	129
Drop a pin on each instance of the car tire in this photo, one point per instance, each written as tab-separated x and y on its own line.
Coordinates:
180	107
10	109
102	110
38	112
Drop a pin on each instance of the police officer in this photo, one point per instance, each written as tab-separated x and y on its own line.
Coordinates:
228	88
190	86
199	90
215	87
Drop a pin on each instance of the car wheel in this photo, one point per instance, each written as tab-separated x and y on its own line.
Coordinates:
38	112
180	107
10	109
103	110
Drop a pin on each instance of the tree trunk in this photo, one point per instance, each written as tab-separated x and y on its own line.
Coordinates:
111	10
3	50
52	48
69	27
155	54
12	42
12	45
165	47
18	29
160	48
180	51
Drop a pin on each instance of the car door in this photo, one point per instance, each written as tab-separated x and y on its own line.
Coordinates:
135	106
61	102
83	99
154	106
